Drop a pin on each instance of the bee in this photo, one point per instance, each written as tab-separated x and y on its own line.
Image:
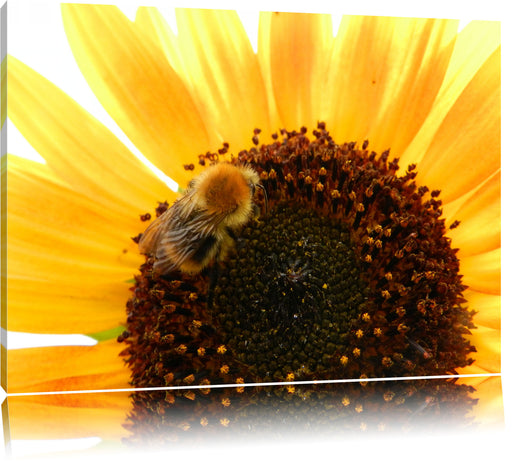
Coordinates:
200	226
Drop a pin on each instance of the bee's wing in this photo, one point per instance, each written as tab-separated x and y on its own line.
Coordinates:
150	239
188	239
180	234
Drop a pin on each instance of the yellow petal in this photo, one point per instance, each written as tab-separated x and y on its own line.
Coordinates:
80	415
132	78
294	50
384	76
482	272
474	44
480	217
224	73
70	368
488	308
77	147
487	342
466	148
489	410
67	255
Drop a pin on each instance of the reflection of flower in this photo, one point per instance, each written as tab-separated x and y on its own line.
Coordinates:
176	97
303	412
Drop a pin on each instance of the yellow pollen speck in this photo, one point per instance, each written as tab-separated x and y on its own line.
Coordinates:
204	421
368	258
190	395
388	396
402	328
290	389
224	422
239	380
201	351
366	317
325	286
359	333
359	408
169	338
224	369
226	402
197	323
222	349
400	311
377	332
189	379
385	294
356	352
290	377
343	360
182	349
193	296
387	361
389	276
185	426
345	401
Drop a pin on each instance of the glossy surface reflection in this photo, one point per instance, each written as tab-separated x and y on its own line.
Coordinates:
176	419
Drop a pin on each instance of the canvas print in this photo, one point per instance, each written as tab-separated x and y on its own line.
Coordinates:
219	221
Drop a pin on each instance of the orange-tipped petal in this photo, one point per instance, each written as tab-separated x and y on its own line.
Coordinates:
487	306
34	370
80	415
224	73
489	410
66	256
466	148
488	346
294	49
384	76
133	80
473	46
480	217
77	147
482	272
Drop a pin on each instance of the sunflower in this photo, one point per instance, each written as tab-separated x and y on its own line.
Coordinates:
418	90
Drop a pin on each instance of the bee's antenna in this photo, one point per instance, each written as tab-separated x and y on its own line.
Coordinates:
265	194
